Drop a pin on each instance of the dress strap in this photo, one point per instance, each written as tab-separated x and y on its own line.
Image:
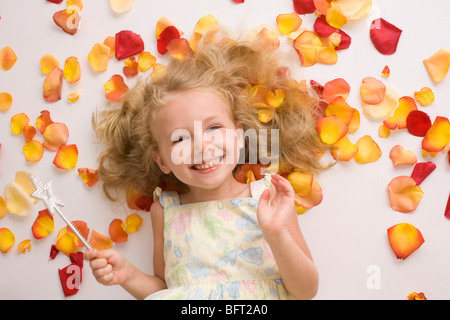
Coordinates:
166	198
257	187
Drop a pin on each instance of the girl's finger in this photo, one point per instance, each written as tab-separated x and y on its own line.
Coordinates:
103	271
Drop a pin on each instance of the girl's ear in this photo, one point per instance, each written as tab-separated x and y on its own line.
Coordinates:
158	159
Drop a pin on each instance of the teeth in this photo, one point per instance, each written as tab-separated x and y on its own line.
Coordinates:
207	165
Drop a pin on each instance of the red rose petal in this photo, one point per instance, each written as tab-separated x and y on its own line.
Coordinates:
447	208
77	258
304	6
70	277
53	252
384	36
346	40
165	37
128	44
422	170
322	27
418	123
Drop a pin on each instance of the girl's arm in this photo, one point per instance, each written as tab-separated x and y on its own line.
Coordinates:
110	267
280	227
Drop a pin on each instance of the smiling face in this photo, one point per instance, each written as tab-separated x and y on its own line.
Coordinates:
198	139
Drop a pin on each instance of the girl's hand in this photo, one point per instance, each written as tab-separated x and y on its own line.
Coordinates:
109	267
274	218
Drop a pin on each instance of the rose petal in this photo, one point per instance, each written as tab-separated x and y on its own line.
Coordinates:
204	23
301	182
265	115
19	122
167	35
5	101
128	44
438	64
68	20
344	150
274	99
81	226
115	88
322	6
404	194
313	198
137	201
131	67
121	6
353	9
53	252
70	278
386	72
111	43
28	133
368	150
372	90
33	150
288	22
335	17
447	208
89	176
268	38
304	6
322	27
417	296
117	231
67	243
335	88
2	207
384	131
398	120
331	129
249	172
340	108
345	42
383	109
43	121
55	134
77	258
99	241
354	122
179	49
43	225
72	70
22	178
418	123
145	61
400	156
384	36
326	55
7	239
404	239
48	62
134	222
7	58
438	136
66	157
422	170
52	85
24	246
74	96
424	97
17	199
99	57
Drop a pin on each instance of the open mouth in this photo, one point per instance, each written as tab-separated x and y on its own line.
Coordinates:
205	166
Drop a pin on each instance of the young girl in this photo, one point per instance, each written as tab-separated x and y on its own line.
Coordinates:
214	237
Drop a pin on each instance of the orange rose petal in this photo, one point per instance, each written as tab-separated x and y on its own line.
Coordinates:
368	150
2	207
24	246
89	176
204	23
43	121
400	156
52	85
313	199
404	194
327	55
340	108
424	97
48	62
353	9
7	58
66	157
133	222
33	150
5	101
117	231
265	115
99	241
43	225
268	37
438	136
68	20
145	61
438	64
131	67
72	70
55	134
28	133
335	88
137	201
99	57
74	96
335	17
7	239
404	239
307	44
384	131
384	108
288	22
111	43
17	199
398	120
322	6
301	182
19	122
386	72
179	49
355	121
22	178
331	129
372	90
344	150
161	25
159	70
417	296
67	243
81	227
275	98
121	6
115	88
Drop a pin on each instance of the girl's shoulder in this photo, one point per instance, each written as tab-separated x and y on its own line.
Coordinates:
166	198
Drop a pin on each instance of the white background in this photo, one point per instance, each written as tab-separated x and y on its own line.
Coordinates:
346	232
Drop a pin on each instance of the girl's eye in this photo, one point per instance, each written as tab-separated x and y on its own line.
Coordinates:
214	128
180	139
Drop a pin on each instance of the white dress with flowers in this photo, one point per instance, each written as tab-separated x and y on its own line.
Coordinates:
216	250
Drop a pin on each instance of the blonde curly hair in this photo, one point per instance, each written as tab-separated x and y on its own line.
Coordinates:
229	67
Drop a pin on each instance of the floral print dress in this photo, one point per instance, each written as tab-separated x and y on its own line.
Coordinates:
216	250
